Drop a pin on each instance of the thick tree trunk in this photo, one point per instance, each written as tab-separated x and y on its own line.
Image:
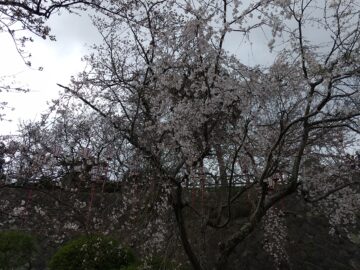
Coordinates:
178	207
227	247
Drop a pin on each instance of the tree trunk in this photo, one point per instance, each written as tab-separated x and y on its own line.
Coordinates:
177	207
222	167
227	248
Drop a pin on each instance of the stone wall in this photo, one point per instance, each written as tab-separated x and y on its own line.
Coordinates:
57	215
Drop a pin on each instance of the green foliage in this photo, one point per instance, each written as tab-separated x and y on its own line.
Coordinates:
131	267
158	263
154	263
91	253
17	250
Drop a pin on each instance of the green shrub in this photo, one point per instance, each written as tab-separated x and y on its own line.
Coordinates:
131	267
91	253
154	263
17	250
158	263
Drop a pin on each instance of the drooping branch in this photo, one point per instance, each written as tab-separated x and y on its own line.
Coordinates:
330	192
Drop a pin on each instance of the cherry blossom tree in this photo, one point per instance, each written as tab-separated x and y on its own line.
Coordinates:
70	174
210	125
209	133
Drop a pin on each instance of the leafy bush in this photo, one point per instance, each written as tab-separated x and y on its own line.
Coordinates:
131	267
158	263
90	253
17	250
154	263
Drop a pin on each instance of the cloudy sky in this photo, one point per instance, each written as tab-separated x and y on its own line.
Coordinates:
62	58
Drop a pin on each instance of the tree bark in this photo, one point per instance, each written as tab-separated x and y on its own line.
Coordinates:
227	247
178	207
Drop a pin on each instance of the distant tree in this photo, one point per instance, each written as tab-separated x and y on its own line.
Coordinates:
70	173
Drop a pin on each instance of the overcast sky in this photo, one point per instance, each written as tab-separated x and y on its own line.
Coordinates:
62	58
